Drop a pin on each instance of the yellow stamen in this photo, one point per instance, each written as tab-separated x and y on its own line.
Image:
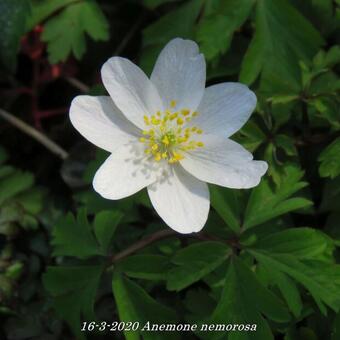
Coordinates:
180	121
157	157
165	140
169	137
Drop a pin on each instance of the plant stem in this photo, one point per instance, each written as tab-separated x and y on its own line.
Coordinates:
159	235
35	134
78	84
162	234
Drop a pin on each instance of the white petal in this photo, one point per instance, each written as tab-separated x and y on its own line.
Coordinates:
124	173
100	122
225	108
130	89
181	200
179	74
224	162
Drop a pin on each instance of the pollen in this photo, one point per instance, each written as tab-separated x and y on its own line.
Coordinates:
173	103
168	135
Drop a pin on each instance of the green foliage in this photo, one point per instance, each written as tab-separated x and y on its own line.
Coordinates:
148	267
177	23
152	4
20	201
73	290
265	203
227	206
94	241
329	158
267	256
243	301
282	35
300	254
13	15
195	262
65	33
216	29
134	303
41	10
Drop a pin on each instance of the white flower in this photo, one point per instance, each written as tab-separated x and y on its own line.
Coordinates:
168	133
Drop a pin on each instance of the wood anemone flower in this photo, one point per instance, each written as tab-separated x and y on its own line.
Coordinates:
169	133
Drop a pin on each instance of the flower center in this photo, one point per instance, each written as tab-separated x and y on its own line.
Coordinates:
167	135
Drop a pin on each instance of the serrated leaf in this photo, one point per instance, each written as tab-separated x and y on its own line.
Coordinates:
148	267
65	33
320	278
14	183
303	243
243	301
251	136
134	304
286	286
105	225
225	202
194	262
330	161
286	143
73	290
215	31
266	203
282	36
13	14
74	237
42	9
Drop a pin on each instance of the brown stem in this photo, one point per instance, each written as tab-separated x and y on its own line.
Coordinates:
78	84
37	135
159	235
162	234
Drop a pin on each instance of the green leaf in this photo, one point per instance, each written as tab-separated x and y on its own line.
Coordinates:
73	290
243	301
105	225
148	267
320	278
301	252
134	304
13	15
286	286
215	31
163	30
195	262
3	155
266	203
251	136
302	243
152	4
286	143
282	36
65	33
283	99
225	202
74	237
14	183
42	9
330	161
199	303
